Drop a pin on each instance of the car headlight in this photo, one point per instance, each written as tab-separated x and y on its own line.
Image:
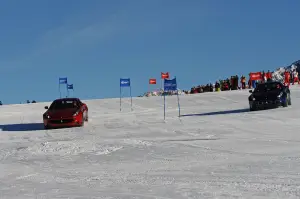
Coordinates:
75	114
47	116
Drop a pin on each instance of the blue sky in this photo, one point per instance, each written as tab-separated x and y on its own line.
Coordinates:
96	42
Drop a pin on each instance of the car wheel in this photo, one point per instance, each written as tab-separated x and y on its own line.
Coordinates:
285	103
82	120
252	108
289	100
87	116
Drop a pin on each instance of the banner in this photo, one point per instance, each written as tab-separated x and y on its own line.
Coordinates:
170	85
255	76
152	81
62	80
70	87
165	75
125	82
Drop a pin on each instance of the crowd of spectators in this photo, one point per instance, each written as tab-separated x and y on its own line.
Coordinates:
239	83
233	83
28	102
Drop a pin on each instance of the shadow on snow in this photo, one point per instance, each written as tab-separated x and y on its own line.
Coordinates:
218	112
22	127
27	127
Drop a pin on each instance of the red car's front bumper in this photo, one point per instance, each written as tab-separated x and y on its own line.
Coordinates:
63	122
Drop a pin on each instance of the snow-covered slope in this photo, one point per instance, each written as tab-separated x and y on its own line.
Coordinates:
217	150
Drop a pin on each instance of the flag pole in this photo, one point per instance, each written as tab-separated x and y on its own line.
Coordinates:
161	82
164	105
59	89
131	98
120	99
178	102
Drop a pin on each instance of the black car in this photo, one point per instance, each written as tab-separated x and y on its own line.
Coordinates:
269	94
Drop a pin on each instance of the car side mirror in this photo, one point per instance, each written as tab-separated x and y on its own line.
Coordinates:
46	107
250	91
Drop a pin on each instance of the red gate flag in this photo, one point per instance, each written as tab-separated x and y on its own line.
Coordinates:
152	81
165	75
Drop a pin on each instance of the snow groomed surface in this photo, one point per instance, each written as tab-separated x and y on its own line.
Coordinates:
217	149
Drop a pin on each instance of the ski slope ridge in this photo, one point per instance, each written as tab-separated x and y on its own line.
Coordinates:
217	149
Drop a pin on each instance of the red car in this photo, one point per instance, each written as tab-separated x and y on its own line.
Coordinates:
65	112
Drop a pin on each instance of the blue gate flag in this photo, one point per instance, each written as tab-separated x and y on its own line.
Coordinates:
170	85
125	82
63	80
70	86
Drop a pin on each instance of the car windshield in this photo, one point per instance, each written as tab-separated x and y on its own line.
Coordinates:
268	87
64	104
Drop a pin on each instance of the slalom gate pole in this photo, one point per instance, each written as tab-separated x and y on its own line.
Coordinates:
164	105
178	104
120	99
59	90
131	98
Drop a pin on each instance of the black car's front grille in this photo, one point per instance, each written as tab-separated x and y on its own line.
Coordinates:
62	121
267	102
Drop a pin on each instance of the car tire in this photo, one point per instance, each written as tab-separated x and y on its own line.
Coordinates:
289	100
87	116
82	120
253	108
285	103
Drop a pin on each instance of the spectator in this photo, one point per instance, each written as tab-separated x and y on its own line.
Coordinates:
217	86
243	82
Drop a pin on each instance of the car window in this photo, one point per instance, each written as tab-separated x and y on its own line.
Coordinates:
268	87
64	104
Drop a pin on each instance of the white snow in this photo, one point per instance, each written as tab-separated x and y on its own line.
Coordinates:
222	151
